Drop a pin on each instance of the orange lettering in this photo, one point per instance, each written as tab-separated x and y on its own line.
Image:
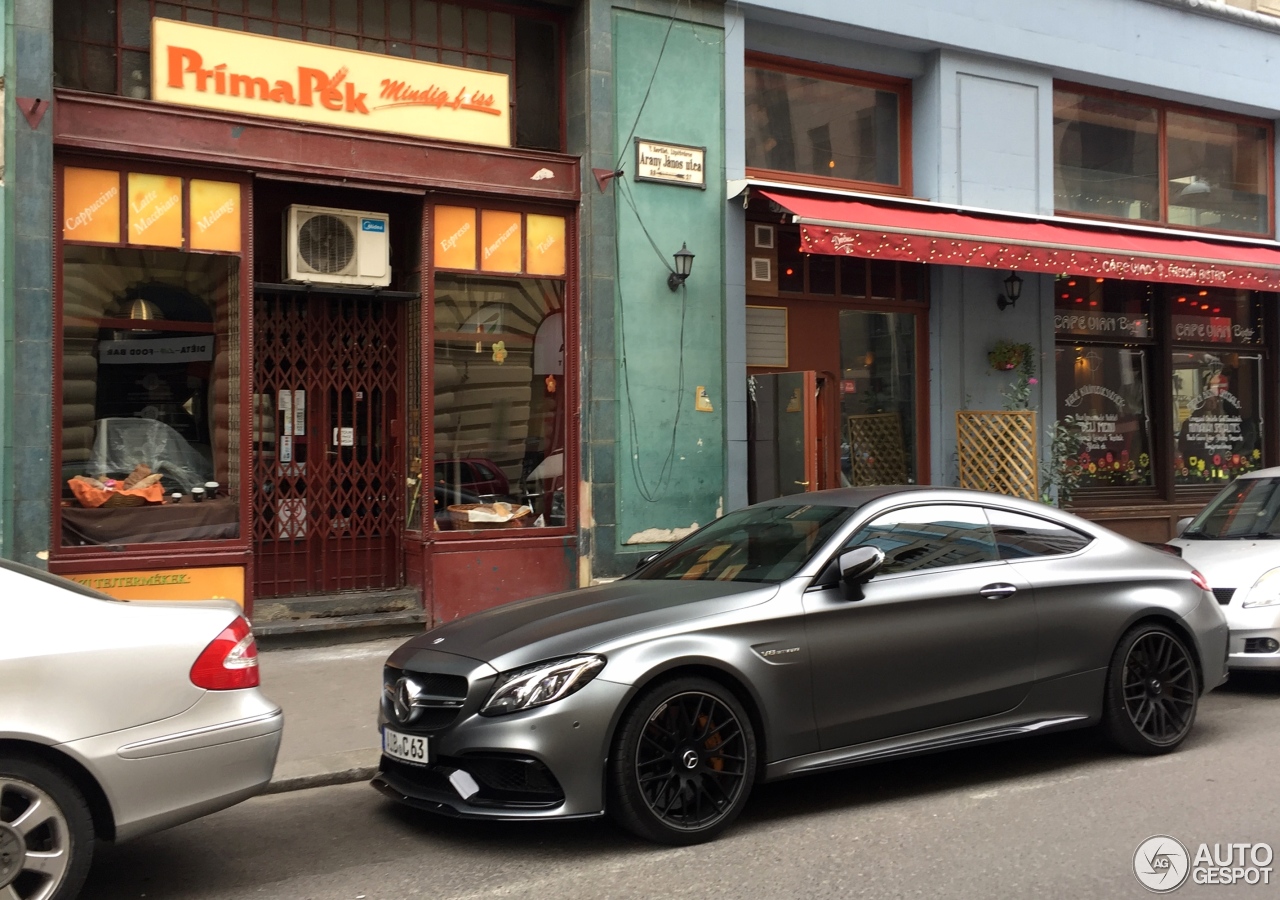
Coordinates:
250	86
178	56
310	80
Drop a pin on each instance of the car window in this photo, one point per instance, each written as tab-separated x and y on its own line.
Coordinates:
1247	508
762	544
929	537
1020	536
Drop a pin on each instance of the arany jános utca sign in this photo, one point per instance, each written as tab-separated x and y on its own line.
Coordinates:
233	71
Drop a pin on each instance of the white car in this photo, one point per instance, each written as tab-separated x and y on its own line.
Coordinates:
117	719
1235	542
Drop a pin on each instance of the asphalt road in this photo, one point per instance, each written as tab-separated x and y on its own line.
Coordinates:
1045	817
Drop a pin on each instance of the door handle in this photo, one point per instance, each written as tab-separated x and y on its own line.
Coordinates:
996	591
803	483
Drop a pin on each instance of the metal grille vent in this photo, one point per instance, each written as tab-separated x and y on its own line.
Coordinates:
327	244
1223	595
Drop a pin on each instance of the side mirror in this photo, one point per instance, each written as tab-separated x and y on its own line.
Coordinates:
645	560
857	566
1182	525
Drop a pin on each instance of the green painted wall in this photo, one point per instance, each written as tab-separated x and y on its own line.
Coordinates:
670	457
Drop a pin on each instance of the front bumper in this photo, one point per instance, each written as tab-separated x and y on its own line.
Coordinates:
543	763
220	751
1251	630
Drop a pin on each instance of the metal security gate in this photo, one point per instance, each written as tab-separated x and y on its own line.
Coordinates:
328	472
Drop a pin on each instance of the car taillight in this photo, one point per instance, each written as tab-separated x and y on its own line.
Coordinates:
230	661
1200	581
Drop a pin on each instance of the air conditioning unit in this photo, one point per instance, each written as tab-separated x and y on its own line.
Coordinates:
337	246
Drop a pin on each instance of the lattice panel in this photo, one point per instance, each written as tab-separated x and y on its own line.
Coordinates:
876	450
328	477
997	452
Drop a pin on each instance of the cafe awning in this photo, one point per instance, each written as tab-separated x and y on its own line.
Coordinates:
913	231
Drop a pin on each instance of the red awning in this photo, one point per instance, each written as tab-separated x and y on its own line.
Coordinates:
918	233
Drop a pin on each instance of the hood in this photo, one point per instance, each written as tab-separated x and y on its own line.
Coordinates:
1228	563
517	634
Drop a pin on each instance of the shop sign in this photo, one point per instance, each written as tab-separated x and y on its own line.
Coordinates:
455	237
1107	324
214	216
544	245
155	210
234	71
132	351
1210	329
91	205
499	241
212	583
671	163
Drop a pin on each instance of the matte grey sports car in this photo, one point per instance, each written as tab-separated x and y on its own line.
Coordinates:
794	636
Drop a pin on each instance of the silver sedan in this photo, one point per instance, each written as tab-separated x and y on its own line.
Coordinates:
117	719
817	631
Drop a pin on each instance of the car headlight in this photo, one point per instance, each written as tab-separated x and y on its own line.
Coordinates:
1265	591
541	684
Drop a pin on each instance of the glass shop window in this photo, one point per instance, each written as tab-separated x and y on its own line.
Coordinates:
149	379
824	124
1105	389
1113	156
500	414
1217	404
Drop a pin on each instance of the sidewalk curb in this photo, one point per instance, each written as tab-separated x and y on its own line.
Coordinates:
344	767
319	779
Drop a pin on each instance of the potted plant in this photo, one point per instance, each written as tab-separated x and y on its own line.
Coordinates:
1006	356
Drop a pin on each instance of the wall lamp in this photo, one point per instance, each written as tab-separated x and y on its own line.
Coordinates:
684	262
1012	291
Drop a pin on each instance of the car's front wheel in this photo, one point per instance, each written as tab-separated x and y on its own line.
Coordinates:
1152	690
683	763
46	832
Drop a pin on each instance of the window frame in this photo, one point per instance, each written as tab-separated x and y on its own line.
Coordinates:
823	72
1162	109
568	382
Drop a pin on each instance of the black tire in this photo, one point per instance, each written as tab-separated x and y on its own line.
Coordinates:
49	858
1153	690
683	762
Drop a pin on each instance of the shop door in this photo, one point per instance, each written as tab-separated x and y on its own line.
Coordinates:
327	459
782	435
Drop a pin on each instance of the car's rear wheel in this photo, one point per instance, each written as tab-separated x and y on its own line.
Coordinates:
683	763
46	833
1152	690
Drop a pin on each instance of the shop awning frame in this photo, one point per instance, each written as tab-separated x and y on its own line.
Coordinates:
846	224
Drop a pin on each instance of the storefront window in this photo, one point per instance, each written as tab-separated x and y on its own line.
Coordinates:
1217	402
1109	161
1105	157
818	124
500	415
1105	390
150	374
1113	335
878	397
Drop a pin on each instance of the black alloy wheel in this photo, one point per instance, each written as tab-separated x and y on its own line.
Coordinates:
684	762
1152	691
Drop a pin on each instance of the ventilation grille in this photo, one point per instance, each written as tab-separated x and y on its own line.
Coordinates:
761	268
327	244
767	336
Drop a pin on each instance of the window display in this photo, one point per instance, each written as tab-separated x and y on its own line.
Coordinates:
500	416
149	396
1104	390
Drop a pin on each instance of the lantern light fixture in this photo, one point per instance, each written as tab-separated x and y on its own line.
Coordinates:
684	263
1012	291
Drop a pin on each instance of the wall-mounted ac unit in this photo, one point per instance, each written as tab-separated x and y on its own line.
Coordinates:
337	246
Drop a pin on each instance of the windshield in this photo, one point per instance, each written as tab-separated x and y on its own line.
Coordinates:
764	544
1248	508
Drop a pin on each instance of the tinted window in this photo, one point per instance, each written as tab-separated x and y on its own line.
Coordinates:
766	544
929	537
1020	537
1248	508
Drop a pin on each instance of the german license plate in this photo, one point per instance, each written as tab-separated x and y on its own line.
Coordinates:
408	747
